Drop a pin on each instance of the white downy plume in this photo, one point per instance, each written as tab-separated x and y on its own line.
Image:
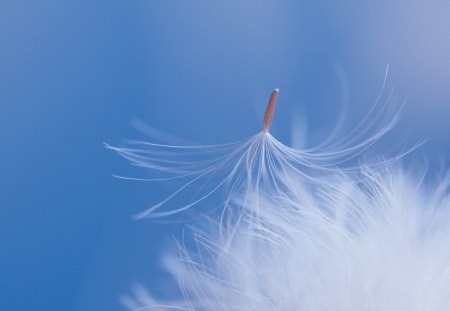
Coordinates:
300	230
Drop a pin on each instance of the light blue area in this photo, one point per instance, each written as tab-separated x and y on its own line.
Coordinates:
75	74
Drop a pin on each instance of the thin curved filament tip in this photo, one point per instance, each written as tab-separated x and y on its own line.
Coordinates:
270	110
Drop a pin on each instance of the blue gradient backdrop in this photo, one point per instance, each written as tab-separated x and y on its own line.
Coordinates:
74	74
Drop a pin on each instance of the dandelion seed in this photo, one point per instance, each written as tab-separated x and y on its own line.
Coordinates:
270	110
260	162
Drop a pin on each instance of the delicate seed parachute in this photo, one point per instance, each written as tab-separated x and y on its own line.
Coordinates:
302	229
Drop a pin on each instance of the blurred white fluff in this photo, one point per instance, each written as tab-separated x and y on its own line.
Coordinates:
300	231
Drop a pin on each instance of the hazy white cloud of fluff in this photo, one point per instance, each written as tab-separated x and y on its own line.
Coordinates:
303	229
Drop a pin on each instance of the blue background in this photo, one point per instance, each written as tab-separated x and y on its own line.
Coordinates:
75	74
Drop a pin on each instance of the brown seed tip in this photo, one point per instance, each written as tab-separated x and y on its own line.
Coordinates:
270	110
